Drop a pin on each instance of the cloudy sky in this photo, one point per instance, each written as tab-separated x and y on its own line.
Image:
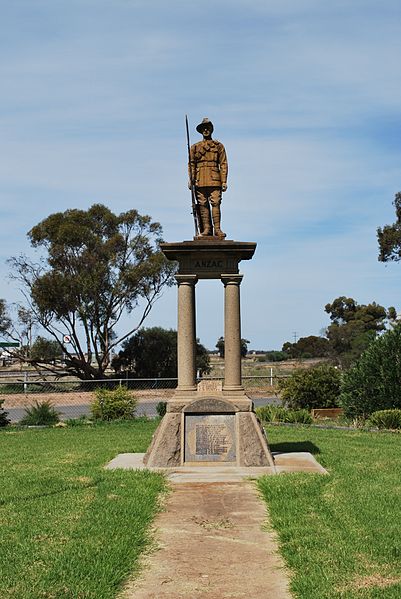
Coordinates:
305	95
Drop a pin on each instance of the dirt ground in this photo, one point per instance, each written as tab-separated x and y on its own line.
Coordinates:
212	544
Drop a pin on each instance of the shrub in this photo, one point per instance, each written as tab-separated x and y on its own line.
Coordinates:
4	421
161	408
113	404
276	356
81	421
390	419
374	382
317	387
280	414
40	414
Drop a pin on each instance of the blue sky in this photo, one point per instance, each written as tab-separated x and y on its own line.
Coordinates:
305	95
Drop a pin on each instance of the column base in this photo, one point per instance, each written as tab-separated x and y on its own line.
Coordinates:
233	390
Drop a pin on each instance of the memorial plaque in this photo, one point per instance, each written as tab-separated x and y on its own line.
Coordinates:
210	438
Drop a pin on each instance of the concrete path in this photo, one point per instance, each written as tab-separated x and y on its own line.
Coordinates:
212	545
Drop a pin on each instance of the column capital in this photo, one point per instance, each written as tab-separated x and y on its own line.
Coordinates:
231	279
186	279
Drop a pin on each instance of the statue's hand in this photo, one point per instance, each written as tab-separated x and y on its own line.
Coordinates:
224	187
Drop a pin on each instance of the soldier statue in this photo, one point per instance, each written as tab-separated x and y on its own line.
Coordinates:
208	171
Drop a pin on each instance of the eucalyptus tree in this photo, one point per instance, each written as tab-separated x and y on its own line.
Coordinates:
94	268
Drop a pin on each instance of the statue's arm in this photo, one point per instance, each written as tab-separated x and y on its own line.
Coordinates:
191	167
223	164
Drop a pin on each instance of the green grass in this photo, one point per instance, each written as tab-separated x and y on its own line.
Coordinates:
339	534
70	529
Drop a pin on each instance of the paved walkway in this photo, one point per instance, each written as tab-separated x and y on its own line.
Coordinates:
212	545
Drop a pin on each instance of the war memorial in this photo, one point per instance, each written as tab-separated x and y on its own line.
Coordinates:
210	424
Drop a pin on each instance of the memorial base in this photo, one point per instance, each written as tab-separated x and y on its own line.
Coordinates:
209	431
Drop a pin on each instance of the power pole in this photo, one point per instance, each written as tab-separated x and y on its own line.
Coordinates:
295	335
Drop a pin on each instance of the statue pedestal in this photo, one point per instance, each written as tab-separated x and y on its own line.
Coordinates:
206	425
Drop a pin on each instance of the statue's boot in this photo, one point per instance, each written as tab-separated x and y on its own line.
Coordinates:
206	221
216	216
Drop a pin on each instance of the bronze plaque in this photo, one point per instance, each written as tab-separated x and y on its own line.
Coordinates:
210	438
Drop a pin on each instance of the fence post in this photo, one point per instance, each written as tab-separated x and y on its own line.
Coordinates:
25	381
271	376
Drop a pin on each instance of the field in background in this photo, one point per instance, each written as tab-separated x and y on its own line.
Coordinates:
251	366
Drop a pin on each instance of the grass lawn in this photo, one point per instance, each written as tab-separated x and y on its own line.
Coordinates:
70	529
339	534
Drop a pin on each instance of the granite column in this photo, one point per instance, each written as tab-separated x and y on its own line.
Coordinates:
232	333
186	336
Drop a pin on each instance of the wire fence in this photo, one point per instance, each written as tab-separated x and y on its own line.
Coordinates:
72	398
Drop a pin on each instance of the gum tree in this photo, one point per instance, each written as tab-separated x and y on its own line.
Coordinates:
95	267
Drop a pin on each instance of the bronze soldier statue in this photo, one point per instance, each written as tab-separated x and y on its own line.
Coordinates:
208	170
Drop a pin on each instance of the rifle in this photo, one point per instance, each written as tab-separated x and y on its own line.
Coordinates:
195	205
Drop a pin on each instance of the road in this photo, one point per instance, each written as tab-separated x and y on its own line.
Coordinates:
143	409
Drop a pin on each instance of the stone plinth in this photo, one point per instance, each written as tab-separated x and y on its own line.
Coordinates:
209	431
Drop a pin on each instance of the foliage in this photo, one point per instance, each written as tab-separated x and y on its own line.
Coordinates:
40	414
114	404
389	237
279	414
17	324
273	356
244	347
307	347
354	326
83	420
374	382
4	421
5	321
153	353
317	387
96	267
161	408
88	526
389	419
45	350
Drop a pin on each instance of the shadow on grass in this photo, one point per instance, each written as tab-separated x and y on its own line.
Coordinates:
290	446
60	491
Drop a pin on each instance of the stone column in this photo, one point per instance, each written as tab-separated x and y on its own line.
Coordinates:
232	333
186	333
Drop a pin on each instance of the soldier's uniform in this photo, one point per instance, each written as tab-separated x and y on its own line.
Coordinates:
208	170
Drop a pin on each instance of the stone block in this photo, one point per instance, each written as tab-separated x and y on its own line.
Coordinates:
252	444
165	448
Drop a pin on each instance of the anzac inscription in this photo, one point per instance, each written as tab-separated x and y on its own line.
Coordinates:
208	263
210	438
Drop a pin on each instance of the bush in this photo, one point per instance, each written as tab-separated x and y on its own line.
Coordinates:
390	419
40	414
317	387
113	404
280	414
374	382
161	408
4	421
276	356
81	421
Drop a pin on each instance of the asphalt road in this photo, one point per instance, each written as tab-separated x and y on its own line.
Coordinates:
143	409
